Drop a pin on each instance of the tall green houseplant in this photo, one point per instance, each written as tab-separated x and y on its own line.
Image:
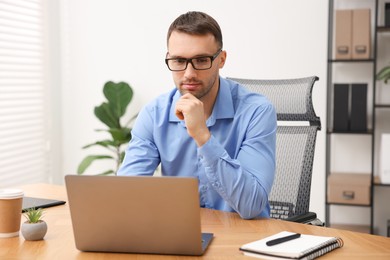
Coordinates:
119	96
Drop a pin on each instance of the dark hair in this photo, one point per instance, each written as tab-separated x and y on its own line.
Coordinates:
196	23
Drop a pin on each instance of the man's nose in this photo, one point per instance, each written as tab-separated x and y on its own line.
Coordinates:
189	71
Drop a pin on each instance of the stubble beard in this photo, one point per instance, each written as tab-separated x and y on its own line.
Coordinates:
202	92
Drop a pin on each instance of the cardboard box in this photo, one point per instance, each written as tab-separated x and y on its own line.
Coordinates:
343	34
361	34
349	188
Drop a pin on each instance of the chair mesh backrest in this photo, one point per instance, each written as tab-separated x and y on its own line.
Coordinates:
291	98
295	144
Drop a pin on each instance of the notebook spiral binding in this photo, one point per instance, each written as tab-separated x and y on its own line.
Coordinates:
323	248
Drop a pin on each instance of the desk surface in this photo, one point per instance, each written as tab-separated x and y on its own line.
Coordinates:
229	229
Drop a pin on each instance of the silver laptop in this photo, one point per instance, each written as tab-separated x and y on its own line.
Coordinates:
137	214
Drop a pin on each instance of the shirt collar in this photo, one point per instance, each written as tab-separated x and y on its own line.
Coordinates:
223	107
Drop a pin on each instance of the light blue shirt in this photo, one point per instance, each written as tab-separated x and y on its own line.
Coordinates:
235	167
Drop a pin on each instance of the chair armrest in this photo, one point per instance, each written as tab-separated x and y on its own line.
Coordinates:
306	218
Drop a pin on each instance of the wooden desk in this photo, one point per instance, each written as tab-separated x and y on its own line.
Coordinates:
229	229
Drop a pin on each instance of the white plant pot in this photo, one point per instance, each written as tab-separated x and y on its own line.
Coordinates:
34	231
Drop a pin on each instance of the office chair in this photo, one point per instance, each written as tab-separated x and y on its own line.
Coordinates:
295	144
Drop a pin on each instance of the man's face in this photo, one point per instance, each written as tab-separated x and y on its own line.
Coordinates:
203	84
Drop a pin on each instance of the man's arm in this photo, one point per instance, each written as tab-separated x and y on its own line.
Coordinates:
246	181
142	156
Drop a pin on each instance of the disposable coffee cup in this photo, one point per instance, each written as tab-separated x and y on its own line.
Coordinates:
10	212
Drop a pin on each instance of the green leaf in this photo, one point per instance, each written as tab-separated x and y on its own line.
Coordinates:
119	96
123	153
104	143
120	135
107	172
33	215
86	162
107	116
384	74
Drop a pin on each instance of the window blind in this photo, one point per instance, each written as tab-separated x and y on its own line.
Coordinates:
24	156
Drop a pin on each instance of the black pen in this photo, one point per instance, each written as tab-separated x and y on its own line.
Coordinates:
282	239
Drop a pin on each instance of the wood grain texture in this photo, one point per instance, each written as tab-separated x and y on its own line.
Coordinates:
229	229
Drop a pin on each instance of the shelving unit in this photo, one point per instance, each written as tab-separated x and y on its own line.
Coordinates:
353	156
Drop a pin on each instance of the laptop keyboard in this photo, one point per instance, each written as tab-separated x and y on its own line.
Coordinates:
281	210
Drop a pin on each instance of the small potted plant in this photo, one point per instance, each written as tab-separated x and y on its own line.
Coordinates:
34	228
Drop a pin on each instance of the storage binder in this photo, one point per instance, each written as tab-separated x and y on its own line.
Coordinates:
387	14
358	122
361	36
343	34
341	108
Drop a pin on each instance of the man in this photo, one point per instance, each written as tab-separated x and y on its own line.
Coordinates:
208	127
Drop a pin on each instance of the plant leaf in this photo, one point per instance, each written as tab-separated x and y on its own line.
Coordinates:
119	96
123	153
104	143
33	215
384	74
107	172
121	135
106	115
86	162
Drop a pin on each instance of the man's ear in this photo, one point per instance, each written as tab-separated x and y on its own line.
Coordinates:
222	59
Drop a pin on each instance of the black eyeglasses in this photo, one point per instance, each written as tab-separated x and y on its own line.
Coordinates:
198	63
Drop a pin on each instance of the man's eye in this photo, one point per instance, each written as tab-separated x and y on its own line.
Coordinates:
202	60
179	61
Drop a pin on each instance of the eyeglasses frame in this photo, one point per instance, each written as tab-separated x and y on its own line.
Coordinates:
212	58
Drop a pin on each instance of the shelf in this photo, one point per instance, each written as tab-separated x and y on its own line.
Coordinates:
383	29
368	132
382	184
352	61
352	70
348	204
382	106
377	182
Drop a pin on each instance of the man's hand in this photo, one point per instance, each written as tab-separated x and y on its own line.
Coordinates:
190	109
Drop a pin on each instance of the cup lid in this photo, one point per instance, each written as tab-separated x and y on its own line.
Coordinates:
11	193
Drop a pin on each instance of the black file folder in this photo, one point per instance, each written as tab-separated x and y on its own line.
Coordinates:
358	108
341	108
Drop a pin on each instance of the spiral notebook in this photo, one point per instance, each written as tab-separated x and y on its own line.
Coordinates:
304	247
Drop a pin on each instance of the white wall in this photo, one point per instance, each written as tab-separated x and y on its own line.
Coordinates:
123	40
